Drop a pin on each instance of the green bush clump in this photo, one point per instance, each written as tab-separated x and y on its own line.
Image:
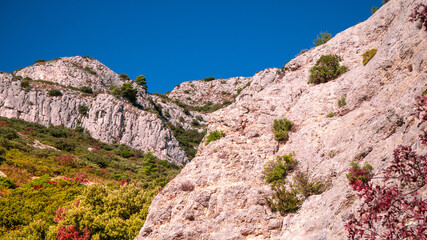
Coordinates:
126	91
6	183
54	93
368	55
89	70
189	139
326	68
281	129
40	61
26	85
276	171
86	89
124	76
142	81
83	110
329	115
195	123
342	102
288	196
322	38
214	135
207	79
166	113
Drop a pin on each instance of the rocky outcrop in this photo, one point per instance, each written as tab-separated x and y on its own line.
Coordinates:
221	193
73	71
199	93
109	119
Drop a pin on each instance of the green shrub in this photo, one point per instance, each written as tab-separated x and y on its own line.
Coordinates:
239	90
276	171
142	81
199	118
125	153
207	79
329	115
195	123
281	129
342	102
26	85
181	119
126	91
368	55
186	91
83	110
326	68
40	61
8	133
288	197
322	38
214	135
374	9
124	76
306	186
6	183
86	89
89	70
54	93
166	114
283	200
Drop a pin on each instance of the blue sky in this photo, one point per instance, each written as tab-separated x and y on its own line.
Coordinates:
171	41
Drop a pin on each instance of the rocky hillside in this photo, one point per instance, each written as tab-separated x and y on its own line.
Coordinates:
85	98
221	193
220	92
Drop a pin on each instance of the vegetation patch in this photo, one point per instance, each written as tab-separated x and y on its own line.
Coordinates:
368	55
322	38
89	70
54	93
189	140
208	79
214	135
51	207
419	13
83	110
289	195
281	129
124	76
126	91
326	68
342	102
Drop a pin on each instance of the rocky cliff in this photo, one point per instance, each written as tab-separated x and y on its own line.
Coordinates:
221	193
24	94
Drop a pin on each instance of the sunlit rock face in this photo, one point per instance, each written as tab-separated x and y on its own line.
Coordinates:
226	199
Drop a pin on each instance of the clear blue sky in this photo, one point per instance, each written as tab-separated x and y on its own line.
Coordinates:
171	41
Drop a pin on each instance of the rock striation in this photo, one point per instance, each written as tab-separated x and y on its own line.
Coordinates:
221	193
109	119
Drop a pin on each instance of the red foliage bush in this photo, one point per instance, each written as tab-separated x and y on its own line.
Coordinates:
70	233
419	13
67	160
393	210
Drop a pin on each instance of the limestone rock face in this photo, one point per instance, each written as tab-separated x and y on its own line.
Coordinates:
221	193
74	72
109	119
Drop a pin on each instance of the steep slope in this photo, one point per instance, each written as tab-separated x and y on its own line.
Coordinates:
108	119
219	91
24	94
221	193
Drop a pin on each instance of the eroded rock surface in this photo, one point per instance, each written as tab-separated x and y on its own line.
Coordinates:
109	119
220	193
